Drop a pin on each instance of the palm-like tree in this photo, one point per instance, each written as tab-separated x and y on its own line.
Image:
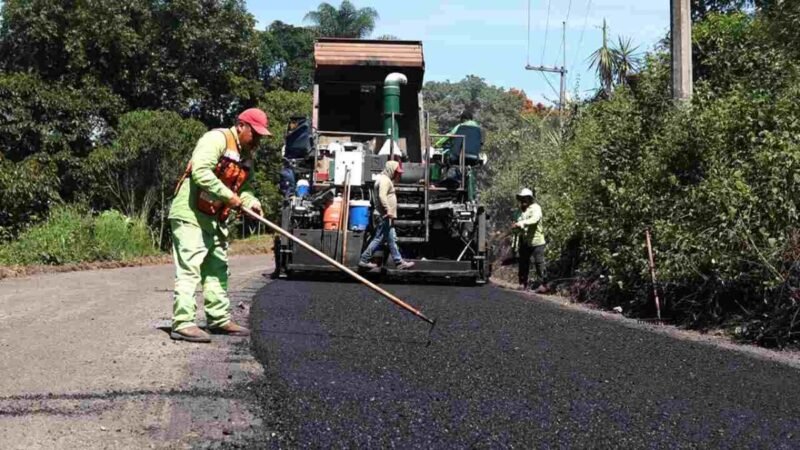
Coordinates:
626	60
347	21
614	64
603	60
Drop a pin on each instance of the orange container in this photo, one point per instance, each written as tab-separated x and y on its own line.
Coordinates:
330	218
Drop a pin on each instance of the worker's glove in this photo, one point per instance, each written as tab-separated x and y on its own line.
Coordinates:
256	208
235	202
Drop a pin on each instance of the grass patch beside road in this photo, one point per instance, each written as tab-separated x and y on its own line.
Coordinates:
73	239
72	235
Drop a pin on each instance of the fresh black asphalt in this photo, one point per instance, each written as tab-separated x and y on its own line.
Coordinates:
346	368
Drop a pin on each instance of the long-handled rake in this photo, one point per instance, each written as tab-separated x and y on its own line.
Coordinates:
652	265
346	270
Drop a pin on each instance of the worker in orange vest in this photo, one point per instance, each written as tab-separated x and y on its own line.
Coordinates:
216	181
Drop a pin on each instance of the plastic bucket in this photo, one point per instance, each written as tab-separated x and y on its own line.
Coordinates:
359	215
302	188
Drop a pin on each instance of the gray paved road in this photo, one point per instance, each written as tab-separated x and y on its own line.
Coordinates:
345	368
86	363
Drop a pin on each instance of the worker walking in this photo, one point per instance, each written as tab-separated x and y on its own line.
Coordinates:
386	205
529	240
216	181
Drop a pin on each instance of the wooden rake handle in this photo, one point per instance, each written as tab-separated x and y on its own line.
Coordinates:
339	266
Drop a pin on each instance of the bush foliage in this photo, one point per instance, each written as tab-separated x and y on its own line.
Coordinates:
717	182
72	235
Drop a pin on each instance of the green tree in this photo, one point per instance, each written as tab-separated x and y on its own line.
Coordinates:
197	58
54	123
602	60
702	8
614	64
626	60
137	173
27	192
53	118
783	23
489	105
286	57
345	22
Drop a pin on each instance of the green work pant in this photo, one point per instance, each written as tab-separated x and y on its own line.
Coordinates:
200	257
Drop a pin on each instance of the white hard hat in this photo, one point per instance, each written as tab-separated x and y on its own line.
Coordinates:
525	193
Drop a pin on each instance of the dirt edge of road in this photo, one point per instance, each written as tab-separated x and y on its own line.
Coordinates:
715	338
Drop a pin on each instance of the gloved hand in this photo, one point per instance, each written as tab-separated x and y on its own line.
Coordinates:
256	208
235	202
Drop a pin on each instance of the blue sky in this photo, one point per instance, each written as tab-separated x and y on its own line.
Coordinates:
489	38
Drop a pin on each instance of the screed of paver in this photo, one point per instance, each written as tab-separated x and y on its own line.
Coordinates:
87	362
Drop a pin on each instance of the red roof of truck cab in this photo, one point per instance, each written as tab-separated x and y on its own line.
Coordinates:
332	52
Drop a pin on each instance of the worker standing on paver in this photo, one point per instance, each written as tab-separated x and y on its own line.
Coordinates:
529	240
386	205
216	181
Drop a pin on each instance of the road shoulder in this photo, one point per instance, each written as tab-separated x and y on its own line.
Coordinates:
88	362
716	339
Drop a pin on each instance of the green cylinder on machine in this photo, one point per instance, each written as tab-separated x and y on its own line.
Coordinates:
391	103
436	172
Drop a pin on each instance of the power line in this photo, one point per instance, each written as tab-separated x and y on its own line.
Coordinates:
580	41
546	29
569	8
555	91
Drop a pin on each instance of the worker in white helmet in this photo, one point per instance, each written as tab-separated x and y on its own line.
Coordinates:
529	239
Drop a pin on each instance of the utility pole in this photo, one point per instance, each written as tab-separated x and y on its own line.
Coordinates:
560	70
681	26
562	97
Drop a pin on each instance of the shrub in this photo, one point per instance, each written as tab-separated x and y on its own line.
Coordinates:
716	181
27	191
137	173
65	237
119	238
71	235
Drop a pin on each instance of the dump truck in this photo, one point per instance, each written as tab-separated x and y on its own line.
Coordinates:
368	108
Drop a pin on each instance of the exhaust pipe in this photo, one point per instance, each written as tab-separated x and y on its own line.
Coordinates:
391	103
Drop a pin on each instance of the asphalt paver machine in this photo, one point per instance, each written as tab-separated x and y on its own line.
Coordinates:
367	109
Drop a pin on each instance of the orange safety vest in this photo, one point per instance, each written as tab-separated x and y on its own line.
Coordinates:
230	170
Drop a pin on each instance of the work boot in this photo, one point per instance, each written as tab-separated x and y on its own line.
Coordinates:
403	265
542	289
230	329
190	334
367	265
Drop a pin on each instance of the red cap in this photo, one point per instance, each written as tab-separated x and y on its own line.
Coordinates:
257	119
